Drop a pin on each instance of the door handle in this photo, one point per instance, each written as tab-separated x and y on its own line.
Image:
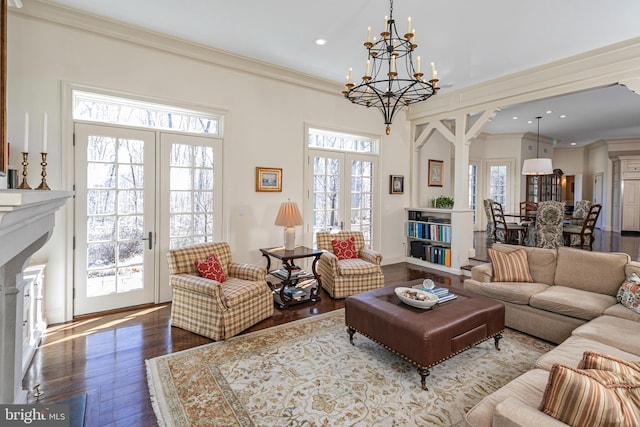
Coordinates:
150	239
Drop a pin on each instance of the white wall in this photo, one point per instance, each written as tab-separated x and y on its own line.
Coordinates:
264	127
437	147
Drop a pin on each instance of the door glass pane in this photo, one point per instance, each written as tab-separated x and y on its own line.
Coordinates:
191	196
326	197
473	189
498	184
362	198
114	226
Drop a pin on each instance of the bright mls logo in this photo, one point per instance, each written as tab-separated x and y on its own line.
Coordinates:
34	415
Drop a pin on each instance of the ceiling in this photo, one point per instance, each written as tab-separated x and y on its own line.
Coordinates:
469	41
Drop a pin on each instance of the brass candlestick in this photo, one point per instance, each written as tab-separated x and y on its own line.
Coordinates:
43	185
24	185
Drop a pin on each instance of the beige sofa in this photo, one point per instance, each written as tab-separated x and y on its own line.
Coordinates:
572	302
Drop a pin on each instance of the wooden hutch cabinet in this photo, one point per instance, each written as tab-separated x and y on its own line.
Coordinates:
541	188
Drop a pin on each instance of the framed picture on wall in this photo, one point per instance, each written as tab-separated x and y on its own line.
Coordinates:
268	179
396	184
436	173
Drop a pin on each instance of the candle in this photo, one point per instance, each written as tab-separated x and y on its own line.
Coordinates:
44	134
409	25
434	73
368	67
418	65
350	74
26	132
393	64
385	23
368	34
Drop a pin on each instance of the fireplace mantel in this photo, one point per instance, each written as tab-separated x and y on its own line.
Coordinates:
27	218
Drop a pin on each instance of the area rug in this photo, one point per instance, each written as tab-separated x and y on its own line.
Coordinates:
306	373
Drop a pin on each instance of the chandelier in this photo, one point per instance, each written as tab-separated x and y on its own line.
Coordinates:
391	81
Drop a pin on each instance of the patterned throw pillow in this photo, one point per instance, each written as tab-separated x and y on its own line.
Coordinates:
605	362
511	267
211	269
591	397
629	293
345	249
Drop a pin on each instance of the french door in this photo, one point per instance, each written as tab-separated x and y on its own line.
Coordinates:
342	192
115	223
139	193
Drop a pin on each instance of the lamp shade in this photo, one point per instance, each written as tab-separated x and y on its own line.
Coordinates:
289	215
537	167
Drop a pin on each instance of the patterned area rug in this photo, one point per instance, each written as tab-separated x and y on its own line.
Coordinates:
307	373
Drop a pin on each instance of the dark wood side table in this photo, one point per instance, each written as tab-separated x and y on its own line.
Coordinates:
288	290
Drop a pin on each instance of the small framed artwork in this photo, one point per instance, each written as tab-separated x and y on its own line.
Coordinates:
436	173
268	179
396	184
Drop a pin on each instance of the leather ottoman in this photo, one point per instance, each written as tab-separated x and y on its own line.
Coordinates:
424	337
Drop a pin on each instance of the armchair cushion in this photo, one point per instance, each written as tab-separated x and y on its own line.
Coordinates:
356	266
211	268
345	249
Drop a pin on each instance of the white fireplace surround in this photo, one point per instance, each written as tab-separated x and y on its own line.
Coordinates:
27	218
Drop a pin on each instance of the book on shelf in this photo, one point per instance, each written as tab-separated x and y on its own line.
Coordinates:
283	273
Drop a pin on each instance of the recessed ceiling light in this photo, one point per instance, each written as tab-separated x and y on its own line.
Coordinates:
573	143
549	111
562	116
515	117
321	42
530	121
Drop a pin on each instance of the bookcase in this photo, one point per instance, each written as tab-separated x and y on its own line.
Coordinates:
544	187
428	233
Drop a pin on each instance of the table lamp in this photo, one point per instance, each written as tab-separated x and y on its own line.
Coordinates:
289	216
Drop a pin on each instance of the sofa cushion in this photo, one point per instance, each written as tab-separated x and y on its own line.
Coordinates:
623	312
516	293
629	293
632	267
613	331
584	270
572	302
607	362
510	267
571	352
511	412
528	388
591	397
542	262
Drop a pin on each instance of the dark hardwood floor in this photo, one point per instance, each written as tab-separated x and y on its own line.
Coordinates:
104	355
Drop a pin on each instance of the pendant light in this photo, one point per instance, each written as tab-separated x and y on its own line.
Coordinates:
537	166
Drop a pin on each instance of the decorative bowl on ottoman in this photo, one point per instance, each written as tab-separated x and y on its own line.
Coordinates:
416	297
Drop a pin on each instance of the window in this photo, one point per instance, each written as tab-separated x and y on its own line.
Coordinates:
110	109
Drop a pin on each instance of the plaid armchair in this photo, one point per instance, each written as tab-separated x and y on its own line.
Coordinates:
210	308
342	278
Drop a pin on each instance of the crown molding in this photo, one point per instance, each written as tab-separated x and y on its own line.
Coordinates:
43	10
613	64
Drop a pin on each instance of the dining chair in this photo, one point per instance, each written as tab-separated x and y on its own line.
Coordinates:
583	234
526	212
506	232
549	219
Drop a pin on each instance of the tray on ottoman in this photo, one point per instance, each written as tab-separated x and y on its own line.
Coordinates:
424	337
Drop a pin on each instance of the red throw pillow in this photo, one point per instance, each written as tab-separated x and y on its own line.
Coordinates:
211	268
345	249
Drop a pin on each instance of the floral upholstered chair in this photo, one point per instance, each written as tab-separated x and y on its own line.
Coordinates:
489	215
549	220
235	296
580	212
346	267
